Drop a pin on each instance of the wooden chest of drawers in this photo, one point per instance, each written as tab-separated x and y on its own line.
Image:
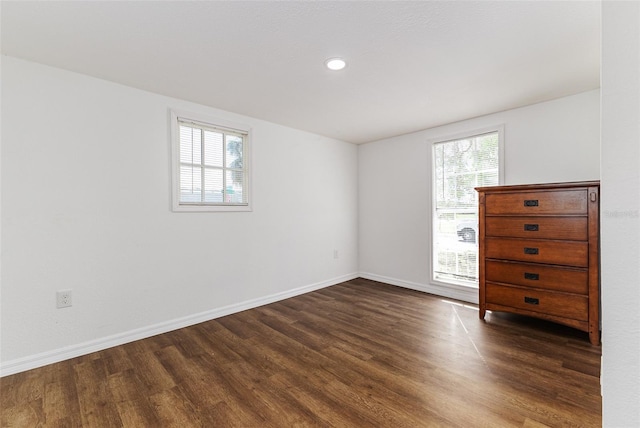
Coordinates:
538	252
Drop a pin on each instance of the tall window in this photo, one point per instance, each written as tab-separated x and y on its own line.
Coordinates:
210	166
460	165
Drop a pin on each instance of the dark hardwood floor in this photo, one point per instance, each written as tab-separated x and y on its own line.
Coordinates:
357	354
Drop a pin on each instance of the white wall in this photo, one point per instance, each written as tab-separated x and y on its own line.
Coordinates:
548	142
1	59
620	160
86	206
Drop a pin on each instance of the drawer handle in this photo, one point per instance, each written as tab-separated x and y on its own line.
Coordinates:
532	276
528	250
531	227
531	300
530	202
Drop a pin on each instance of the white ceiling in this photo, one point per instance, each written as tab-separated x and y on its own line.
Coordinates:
411	65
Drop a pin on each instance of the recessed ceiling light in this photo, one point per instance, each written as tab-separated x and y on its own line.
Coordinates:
335	64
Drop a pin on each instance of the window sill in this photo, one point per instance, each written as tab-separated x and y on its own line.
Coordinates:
212	208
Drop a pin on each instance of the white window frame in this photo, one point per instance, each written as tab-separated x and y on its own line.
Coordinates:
499	129
210	122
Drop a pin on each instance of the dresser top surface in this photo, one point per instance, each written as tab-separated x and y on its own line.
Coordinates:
540	186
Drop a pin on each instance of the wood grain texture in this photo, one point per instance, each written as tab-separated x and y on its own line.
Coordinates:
572	228
558	278
568	305
569	253
357	354
539	202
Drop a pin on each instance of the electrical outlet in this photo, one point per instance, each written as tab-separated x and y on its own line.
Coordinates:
63	298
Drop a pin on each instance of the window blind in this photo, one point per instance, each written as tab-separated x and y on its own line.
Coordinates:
212	168
462	165
459	166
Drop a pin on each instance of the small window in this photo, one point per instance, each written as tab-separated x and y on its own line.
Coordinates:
460	165
210	164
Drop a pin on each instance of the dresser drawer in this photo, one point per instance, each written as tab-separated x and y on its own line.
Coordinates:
572	306
537	202
569	253
569	280
570	228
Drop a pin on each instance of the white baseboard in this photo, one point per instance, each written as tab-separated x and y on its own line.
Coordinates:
466	294
38	360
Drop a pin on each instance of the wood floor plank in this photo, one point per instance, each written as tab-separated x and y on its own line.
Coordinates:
239	406
60	406
360	353
137	413
173	410
151	373
97	405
